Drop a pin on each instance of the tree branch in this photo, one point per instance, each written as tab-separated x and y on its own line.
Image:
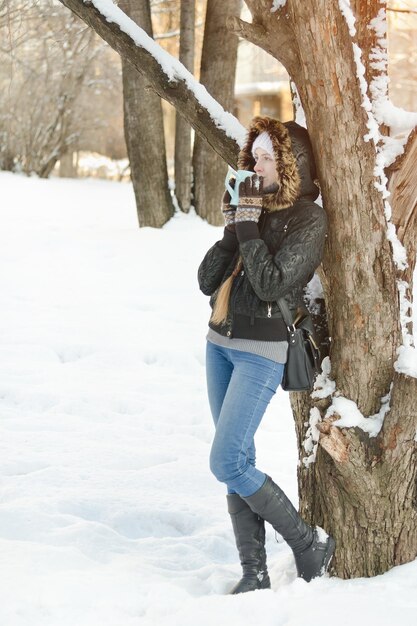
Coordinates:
274	34
401	10
220	129
255	33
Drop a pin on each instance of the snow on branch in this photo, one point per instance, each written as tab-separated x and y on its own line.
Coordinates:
166	75
173	69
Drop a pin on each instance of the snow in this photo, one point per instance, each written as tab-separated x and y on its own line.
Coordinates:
405	309
346	10
311	441
379	25
407	361
321	534
351	417
314	292
95	164
173	69
300	117
278	4
366	103
324	386
109	513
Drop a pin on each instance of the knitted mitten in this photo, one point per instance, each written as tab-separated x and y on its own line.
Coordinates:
249	207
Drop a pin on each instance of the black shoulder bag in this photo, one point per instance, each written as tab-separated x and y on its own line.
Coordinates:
303	359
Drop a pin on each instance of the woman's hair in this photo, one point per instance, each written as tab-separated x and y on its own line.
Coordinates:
221	305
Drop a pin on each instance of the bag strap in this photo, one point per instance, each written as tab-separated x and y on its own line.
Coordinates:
285	311
302	312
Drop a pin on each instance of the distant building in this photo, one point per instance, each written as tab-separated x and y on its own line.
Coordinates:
262	85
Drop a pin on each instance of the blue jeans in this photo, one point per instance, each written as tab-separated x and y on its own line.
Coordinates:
240	386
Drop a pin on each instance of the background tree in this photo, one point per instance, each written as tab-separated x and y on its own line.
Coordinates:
362	484
59	87
183	169
49	55
217	74
144	133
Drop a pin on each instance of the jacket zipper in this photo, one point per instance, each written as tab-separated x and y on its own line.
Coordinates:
242	273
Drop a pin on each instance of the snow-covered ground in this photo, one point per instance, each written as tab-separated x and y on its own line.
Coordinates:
109	515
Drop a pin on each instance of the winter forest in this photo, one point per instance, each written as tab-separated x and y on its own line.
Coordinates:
120	123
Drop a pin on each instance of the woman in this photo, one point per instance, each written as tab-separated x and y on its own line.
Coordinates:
273	241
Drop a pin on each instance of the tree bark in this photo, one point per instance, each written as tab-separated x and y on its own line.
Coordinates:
144	134
218	69
66	165
183	166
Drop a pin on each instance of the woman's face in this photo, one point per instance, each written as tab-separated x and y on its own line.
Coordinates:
265	166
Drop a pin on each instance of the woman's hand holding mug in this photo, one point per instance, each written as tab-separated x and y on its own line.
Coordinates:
249	207
233	189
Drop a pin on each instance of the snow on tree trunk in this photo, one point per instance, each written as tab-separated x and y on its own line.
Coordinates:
144	134
183	168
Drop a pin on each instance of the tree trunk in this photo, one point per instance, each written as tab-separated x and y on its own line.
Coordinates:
218	69
66	165
183	168
144	134
362	489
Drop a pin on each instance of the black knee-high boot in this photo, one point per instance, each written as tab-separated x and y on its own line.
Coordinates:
312	548
249	530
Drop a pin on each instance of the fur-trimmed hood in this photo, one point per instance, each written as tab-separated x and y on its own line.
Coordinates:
294	161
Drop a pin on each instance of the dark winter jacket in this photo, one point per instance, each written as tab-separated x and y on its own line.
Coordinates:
281	252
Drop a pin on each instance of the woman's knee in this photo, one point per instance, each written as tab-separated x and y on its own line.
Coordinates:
224	471
216	466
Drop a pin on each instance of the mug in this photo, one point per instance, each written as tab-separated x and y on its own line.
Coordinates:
240	175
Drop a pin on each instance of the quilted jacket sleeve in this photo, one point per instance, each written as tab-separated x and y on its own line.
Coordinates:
216	261
273	276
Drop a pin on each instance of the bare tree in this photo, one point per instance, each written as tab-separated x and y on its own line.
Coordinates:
144	133
46	58
50	73
217	74
183	171
361	485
